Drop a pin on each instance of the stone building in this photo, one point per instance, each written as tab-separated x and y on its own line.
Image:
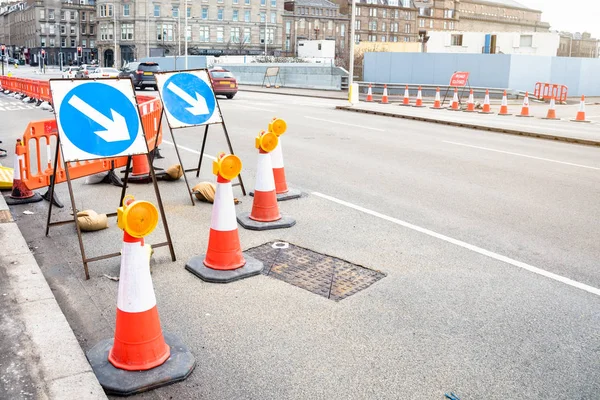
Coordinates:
578	45
497	16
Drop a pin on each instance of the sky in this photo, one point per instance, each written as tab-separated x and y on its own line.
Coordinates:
573	15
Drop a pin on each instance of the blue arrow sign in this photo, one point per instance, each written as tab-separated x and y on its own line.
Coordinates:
99	119
188	98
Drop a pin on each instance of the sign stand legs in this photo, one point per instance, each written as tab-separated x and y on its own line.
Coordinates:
181	163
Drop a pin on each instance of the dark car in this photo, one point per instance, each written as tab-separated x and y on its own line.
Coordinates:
84	71
224	83
141	74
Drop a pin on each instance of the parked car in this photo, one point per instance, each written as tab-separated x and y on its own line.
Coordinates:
70	72
223	81
84	71
141	74
100	73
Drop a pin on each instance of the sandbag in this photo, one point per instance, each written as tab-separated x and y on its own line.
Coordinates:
175	172
205	191
90	220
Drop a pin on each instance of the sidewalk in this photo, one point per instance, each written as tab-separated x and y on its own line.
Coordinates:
40	357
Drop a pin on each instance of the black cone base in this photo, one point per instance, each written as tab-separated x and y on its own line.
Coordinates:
120	382
289	195
196	266
284	222
11	201
55	200
147	178
112	179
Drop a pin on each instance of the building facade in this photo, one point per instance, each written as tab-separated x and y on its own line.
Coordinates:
498	16
578	45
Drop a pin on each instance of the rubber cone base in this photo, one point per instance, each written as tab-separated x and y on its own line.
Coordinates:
524	116
289	195
120	382
486	112
147	178
573	120
33	199
284	222
196	266
55	200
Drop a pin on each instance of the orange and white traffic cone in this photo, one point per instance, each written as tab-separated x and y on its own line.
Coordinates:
406	99
552	110
140	357
384	98
581	113
21	194
419	102
265	211
525	108
279	127
369	94
455	106
437	105
140	171
470	103
224	261
504	105
487	109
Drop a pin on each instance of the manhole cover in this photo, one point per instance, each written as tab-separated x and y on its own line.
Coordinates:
318	273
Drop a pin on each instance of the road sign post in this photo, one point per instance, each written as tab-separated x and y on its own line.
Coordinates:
99	120
188	101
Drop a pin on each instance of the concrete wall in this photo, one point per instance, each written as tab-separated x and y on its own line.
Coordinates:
178	63
517	72
308	76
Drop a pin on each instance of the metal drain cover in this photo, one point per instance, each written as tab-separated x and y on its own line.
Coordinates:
318	273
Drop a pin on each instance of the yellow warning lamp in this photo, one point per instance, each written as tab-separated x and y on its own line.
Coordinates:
136	217
277	126
267	141
227	166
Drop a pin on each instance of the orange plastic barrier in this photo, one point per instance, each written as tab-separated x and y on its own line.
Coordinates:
33	88
40	139
545	91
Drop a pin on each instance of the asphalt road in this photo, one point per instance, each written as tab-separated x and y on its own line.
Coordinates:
489	244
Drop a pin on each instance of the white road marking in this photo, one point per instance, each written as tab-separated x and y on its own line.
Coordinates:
465	245
343	123
190	150
523	155
256	108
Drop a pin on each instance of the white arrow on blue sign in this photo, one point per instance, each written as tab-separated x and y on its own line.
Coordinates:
97	119
188	98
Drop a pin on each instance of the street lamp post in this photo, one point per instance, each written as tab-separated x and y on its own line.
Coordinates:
185	45
352	40
115	33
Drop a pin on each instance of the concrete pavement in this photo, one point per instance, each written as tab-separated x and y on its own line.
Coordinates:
430	207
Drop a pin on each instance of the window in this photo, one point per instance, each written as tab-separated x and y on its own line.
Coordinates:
247	35
247	16
407	28
63	30
373	25
126	31
164	32
262	17
396	14
51	15
273	17
234	35
188	33
235	1
431	23
91	29
451	25
42	14
263	3
456	40
288	27
175	12
247	2
448	13
43	41
421	23
63	42
52	42
357	27
330	25
72	29
189	12
406	3
220	14
356	38
372	12
204	34
526	41
62	16
110	10
372	38
204	12
273	3
52	30
394	27
235	16
72	15
287	44
384	13
343	30
126	10
219	34
83	16
72	42
83	43
383	38
157	10
92	43
383	26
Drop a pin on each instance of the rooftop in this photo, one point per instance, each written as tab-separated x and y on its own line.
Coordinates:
505	3
316	3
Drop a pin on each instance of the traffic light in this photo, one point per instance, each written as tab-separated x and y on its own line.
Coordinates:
79	52
3	47
43	53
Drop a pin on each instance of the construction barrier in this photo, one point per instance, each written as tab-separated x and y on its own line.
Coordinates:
35	89
40	138
545	91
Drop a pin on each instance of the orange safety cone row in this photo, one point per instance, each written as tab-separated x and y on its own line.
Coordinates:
581	113
504	105
437	102
552	110
265	211
419	102
224	261
487	109
278	126
470	103
525	108
20	194
455	106
140	357
406	99
370	94
384	98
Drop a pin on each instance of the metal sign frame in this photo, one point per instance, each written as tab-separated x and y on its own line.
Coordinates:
269	74
206	126
462	91
49	222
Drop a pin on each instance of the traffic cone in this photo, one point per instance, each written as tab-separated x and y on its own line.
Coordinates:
581	113
504	105
470	103
406	99
552	110
486	104
384	98
370	94
455	106
140	357
525	108
265	211
437	102
419	102
224	261
278	126
20	194
140	172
